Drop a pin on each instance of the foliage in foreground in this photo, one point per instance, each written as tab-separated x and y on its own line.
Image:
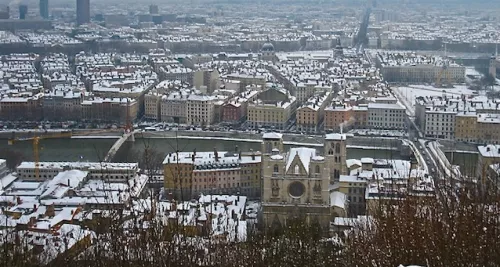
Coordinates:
461	230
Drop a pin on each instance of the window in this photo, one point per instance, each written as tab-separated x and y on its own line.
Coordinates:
276	168
296	169
317	169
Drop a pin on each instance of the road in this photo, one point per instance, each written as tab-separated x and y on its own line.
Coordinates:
437	169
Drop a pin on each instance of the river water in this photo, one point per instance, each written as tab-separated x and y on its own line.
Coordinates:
95	149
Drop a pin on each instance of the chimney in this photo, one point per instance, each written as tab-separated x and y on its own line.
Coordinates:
193	156
32	221
487	150
50	212
19	200
253	154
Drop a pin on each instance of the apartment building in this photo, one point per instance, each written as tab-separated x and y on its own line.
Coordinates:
152	105
62	105
176	72
488	155
272	108
354	188
310	115
189	174
200	110
109	109
337	115
386	116
440	123
477	128
463	119
21	108
248	79
112	172
360	114
174	106
235	109
466	127
207	81
413	68
303	91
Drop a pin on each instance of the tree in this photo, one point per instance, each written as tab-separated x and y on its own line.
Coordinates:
13	158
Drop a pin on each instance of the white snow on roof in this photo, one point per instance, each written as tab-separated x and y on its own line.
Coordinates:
277	157
338	199
335	136
305	155
352	162
489	151
272	136
367	161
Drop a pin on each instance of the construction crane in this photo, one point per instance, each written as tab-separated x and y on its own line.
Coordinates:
36	148
444	69
443	72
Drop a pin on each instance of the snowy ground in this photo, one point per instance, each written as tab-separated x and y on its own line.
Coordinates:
388	133
408	94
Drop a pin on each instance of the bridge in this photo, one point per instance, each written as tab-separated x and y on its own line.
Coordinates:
116	146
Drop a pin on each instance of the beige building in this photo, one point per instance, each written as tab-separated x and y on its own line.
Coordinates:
303	91
207	81
188	174
412	68
336	155
310	115
173	107
488	155
200	110
247	79
152	105
272	108
295	185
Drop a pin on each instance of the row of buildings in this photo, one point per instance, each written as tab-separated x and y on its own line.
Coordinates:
67	105
299	182
466	119
414	68
54	211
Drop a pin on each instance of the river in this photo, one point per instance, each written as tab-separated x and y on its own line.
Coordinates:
95	149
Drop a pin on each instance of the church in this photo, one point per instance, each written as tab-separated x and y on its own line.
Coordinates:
296	183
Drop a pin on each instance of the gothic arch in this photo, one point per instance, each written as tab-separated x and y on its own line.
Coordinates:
296	169
317	169
337	148
276	168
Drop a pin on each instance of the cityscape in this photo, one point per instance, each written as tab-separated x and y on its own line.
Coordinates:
249	133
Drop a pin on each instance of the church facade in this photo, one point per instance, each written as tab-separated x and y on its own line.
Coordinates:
296	183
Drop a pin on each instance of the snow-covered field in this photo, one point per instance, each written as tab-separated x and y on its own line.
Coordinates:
408	94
